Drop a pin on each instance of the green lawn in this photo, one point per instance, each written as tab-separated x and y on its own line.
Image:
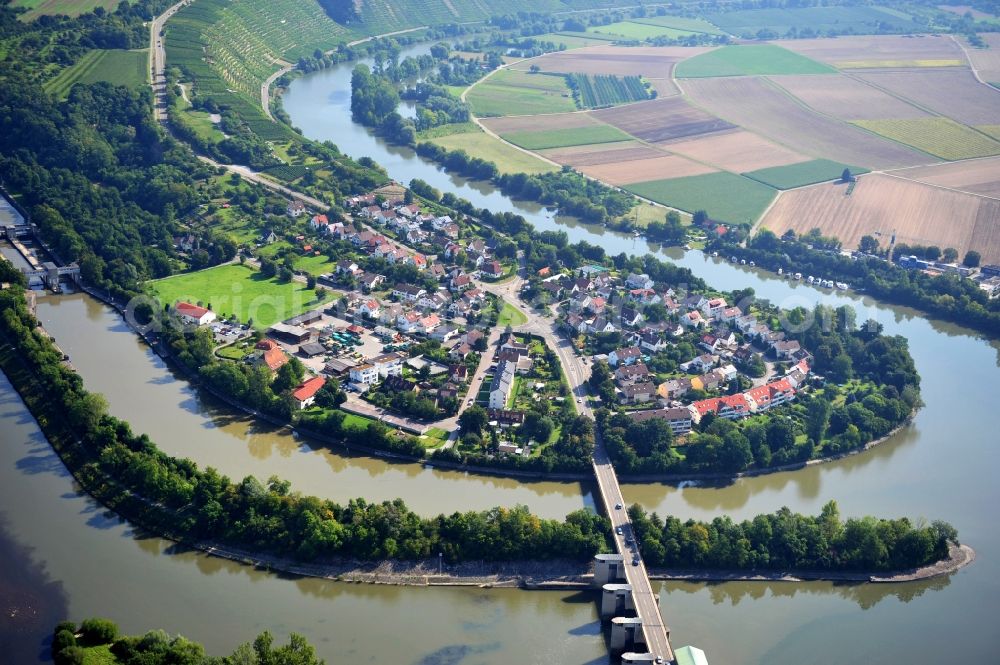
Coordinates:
314	265
99	655
239	290
126	68
510	92
725	196
562	138
749	60
511	316
508	159
805	173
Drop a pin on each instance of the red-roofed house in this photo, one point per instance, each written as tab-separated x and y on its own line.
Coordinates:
305	394
492	269
273	358
194	314
730	407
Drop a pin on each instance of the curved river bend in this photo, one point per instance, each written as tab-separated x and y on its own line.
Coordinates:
77	561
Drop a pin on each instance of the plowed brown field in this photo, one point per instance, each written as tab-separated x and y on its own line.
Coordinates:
951	92
987	60
875	48
604	153
847	98
760	106
644	170
980	176
738	151
648	61
881	204
538	123
662	120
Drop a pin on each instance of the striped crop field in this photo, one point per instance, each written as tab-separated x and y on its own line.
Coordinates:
120	67
941	137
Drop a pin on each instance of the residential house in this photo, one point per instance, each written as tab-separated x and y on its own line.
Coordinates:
678	418
444	333
626	356
726	373
694	301
517	348
693	319
408	322
295	208
628	374
433	301
637	393
644	296
389	364
397	384
712	308
650	340
706	381
339	367
506	418
305	393
785	350
731	407
364	375
429	323
580	302
702	363
267	236
601	325
348	267
461	283
458	373
460	351
270	355
193	314
319	223
408	292
369	281
492	269
637	281
501	385
473	336
672	389
729	315
370	308
631	318
577	324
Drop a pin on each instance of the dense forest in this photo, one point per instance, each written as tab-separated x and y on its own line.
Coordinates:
948	296
96	640
870	386
788	541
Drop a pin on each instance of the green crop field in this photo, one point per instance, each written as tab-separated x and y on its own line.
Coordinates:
748	60
682	24
510	92
601	91
572	39
859	19
378	17
508	159
941	137
563	138
726	197
126	68
239	290
635	30
804	173
38	8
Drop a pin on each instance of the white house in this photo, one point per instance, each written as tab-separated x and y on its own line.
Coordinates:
626	356
295	208
193	314
364	375
389	364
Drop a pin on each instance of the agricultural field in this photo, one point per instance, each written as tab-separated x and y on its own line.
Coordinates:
941	137
978	176
511	92
749	60
954	93
856	49
987	60
379	17
801	174
847	98
634	30
688	25
738	151
562	138
645	170
761	107
605	153
881	205
600	91
481	144
819	19
648	61
540	123
726	197
115	66
71	8
570	40
662	120
240	290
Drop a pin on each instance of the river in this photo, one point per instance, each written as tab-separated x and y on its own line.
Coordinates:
84	562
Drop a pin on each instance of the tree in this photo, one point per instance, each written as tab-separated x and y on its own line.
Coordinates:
950	255
537	427
933	253
98	631
473	420
846	176
868	245
817	419
971	259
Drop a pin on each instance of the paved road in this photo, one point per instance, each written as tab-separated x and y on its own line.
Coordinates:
158	62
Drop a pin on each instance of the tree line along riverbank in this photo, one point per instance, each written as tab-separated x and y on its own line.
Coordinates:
174	498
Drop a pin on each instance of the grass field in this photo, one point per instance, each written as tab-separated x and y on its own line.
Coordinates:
38	8
571	41
636	30
941	137
724	196
480	144
511	316
562	138
688	25
749	60
447	130
860	19
801	174
510	92
239	290
126	68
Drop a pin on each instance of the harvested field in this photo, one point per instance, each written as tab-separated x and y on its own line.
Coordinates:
919	214
539	123
571	41
876	47
644	170
662	120
561	138
648	61
980	176
605	153
987	60
761	106
664	87
941	137
847	98
951	92
750	60
724	196
738	151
